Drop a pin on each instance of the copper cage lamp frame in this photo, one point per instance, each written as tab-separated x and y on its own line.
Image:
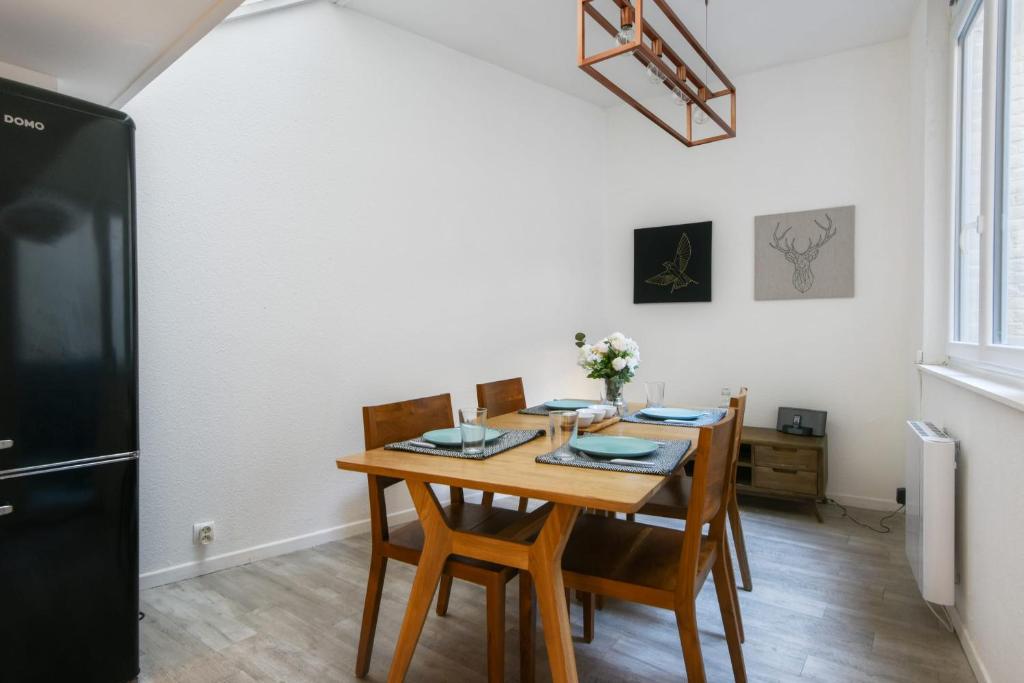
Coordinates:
648	47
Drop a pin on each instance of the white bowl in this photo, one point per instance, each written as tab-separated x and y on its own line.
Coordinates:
584	417
608	410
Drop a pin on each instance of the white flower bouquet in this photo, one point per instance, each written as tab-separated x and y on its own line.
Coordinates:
614	359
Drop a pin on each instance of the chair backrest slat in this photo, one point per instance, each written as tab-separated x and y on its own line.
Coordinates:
715	479
739	404
503	396
711	480
392	422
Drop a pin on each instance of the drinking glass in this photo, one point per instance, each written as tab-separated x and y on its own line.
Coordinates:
726	395
473	425
655	394
562	429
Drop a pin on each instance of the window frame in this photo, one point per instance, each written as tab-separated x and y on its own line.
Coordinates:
962	26
989	354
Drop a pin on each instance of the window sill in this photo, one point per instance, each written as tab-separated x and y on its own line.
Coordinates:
1001	390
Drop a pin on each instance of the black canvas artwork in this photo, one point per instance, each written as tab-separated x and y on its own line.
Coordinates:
672	263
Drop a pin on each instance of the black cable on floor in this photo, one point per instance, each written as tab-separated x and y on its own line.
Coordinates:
885	529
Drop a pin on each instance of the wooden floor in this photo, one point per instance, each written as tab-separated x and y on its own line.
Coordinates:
831	602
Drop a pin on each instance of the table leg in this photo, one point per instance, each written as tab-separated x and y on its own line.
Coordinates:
546	569
542	559
436	549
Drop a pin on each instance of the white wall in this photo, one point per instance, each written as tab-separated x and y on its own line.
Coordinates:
990	514
990	509
815	134
334	213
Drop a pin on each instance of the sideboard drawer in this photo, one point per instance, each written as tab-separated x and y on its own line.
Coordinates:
790	458
788	479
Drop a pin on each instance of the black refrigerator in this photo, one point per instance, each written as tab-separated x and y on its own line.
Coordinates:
69	561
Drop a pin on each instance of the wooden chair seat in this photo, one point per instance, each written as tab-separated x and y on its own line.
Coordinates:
629	555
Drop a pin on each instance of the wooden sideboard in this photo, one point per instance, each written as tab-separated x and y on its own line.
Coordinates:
777	465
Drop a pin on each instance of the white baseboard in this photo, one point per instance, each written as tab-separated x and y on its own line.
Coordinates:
980	672
216	563
881	504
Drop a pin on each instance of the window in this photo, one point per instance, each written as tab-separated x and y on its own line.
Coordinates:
988	246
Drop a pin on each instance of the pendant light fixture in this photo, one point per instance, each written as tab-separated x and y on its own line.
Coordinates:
664	66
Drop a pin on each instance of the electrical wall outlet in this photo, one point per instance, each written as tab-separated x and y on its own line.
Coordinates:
901	496
202	533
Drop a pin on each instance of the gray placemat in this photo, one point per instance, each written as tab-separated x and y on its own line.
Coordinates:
507	441
711	416
541	410
662	462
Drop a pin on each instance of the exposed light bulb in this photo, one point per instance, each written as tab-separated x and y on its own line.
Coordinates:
625	34
654	74
678	97
701	118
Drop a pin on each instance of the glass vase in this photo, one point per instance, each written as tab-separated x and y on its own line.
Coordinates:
612	394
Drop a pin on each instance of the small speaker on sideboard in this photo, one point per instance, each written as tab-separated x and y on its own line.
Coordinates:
802	421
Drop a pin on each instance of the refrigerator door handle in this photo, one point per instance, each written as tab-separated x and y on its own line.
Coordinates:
6	510
6	443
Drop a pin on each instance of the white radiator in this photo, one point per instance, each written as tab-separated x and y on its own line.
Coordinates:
931	472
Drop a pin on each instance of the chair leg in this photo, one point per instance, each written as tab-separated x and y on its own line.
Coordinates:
527	628
588	615
371	608
730	617
733	593
444	593
739	543
630	517
487	499
523	502
686	622
496	630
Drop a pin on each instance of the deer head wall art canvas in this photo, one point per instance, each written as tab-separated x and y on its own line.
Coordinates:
804	255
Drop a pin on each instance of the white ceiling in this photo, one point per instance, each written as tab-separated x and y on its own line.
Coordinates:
103	50
537	38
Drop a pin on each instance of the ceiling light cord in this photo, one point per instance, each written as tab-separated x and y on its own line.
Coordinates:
701	118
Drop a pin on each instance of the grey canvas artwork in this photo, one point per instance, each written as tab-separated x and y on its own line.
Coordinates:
804	255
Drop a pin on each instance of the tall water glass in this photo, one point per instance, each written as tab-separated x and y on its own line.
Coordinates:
726	397
655	394
562	430
473	425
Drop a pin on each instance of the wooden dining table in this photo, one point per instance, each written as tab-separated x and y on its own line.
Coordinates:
536	545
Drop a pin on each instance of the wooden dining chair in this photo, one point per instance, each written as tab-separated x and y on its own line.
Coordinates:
392	422
672	499
664	567
501	397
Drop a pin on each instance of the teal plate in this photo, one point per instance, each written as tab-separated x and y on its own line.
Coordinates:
453	436
671	413
614	446
568	404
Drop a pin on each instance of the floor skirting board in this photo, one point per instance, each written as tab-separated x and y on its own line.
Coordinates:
881	504
216	563
980	672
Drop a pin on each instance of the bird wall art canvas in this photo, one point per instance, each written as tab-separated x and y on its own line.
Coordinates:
672	263
804	255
